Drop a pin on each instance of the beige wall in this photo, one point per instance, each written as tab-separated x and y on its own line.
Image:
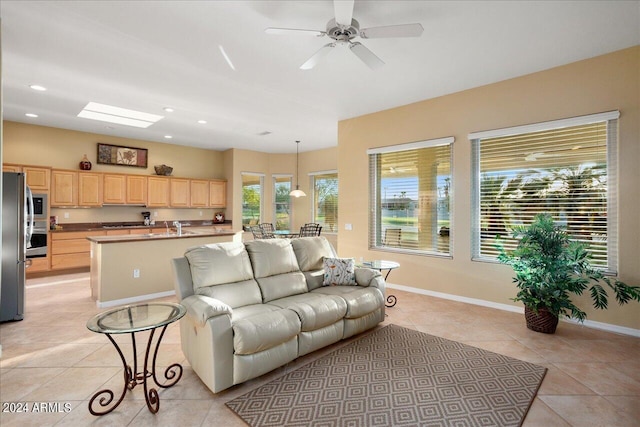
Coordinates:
62	148
605	83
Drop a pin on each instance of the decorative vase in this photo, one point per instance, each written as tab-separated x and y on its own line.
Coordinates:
543	321
85	164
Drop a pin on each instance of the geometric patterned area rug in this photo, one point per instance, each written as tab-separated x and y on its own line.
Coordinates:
396	376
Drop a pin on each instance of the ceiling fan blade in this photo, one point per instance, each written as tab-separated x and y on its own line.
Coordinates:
321	53
366	55
290	31
403	30
343	10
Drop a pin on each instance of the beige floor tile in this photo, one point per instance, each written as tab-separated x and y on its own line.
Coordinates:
589	411
123	415
557	382
50	414
602	378
176	413
19	382
72	384
540	415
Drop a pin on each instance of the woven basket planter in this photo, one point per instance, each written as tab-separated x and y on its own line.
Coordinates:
542	321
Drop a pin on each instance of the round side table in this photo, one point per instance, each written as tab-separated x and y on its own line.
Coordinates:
130	320
380	264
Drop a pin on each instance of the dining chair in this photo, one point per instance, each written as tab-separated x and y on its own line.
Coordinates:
267	230
310	230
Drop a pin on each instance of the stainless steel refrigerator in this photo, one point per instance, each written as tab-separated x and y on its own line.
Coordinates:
14	244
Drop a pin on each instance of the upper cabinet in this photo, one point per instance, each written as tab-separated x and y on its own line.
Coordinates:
64	188
157	192
90	189
136	190
115	189
199	193
217	194
180	193
37	178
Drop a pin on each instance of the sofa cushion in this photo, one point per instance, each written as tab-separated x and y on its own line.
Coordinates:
314	278
315	311
218	263
339	271
282	285
310	251
360	301
236	294
264	331
271	256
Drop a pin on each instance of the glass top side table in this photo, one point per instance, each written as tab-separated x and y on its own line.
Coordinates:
380	264
130	320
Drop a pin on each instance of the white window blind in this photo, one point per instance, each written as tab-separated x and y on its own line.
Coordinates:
410	188
566	168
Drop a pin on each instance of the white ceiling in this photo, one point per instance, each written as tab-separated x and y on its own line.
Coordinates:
146	55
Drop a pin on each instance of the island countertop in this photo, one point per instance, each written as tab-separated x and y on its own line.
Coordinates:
191	233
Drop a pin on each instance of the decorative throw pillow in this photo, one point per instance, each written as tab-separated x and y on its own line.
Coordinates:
339	271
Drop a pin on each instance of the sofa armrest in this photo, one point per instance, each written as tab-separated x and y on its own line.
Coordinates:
370	277
202	308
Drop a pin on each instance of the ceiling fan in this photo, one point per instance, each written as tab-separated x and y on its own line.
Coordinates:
343	29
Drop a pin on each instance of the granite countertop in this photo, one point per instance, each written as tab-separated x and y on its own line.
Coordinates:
160	236
99	226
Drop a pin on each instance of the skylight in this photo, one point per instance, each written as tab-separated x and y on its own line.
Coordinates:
122	116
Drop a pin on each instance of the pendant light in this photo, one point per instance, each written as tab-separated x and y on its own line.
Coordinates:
297	192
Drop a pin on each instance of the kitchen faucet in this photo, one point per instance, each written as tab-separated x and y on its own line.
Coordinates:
178	227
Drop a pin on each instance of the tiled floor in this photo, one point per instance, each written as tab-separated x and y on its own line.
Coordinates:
593	377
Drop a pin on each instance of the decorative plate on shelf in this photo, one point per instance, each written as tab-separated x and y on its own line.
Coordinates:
218	217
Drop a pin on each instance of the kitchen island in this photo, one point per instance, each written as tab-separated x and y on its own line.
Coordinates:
137	267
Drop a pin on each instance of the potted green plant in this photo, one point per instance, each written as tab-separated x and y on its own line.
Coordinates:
550	269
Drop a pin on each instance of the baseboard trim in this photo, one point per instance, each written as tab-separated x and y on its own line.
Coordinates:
608	327
133	300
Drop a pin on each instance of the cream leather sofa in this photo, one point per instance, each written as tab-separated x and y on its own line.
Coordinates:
255	306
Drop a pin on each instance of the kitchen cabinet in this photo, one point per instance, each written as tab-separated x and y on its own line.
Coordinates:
71	249
38	264
114	189
180	194
157	192
11	168
90	189
217	194
37	178
136	190
199	193
64	188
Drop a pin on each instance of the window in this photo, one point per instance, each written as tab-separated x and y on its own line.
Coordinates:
410	188
251	199
565	167
325	200
282	201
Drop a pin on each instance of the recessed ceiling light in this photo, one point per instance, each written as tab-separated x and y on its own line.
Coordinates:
168	109
38	87
168	136
226	57
202	122
121	116
31	115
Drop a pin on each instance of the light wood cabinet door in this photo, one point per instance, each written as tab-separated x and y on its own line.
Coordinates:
115	189
37	178
71	249
90	189
11	168
199	193
180	195
64	188
136	190
217	194
157	192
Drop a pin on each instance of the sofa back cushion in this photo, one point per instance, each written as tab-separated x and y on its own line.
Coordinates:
275	268
223	271
311	251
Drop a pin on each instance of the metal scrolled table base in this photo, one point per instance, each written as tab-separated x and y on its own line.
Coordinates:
133	378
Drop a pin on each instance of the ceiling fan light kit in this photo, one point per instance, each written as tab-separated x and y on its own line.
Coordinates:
343	29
